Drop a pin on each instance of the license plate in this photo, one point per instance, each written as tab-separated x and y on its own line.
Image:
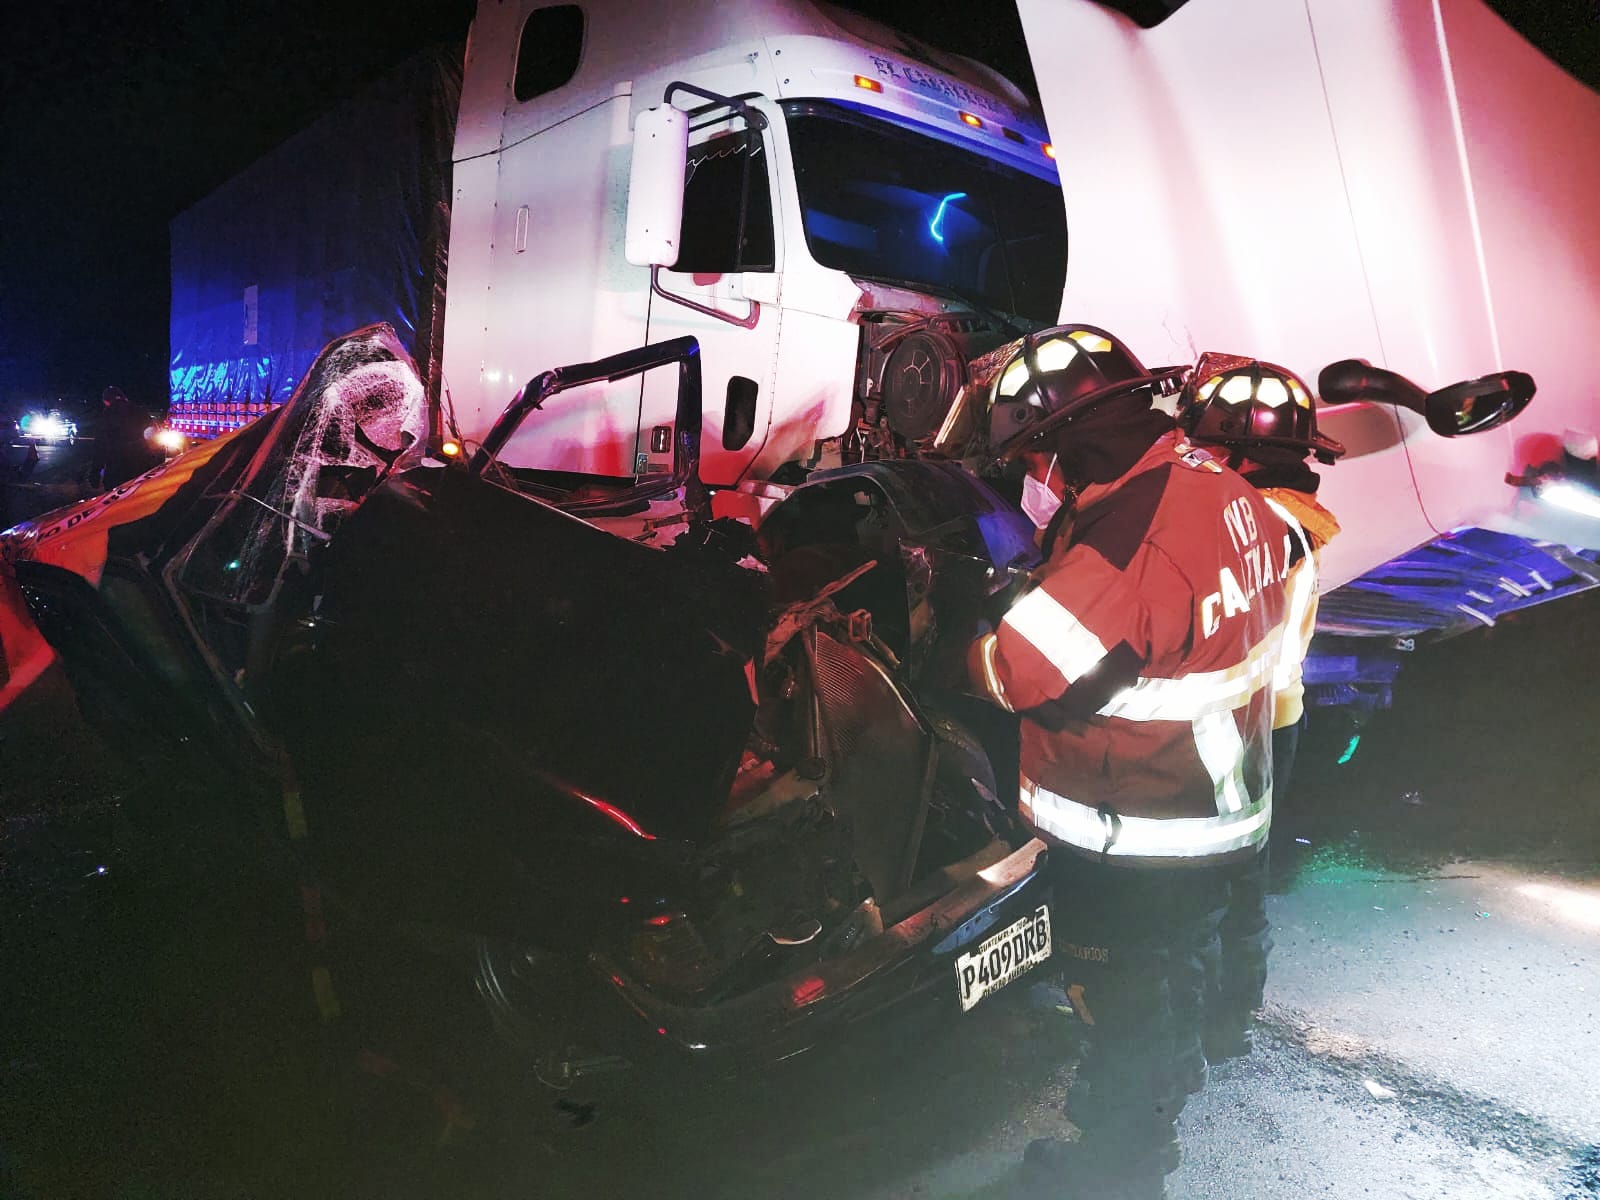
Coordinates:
1002	957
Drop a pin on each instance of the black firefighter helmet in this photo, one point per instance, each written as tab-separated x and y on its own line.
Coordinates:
1244	404
1043	382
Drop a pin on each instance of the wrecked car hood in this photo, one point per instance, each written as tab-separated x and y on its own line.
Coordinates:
496	628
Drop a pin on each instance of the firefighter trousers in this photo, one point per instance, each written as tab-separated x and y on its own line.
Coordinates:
1237	981
1136	948
1285	746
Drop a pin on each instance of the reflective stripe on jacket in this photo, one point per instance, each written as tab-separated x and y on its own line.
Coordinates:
1142	662
1315	525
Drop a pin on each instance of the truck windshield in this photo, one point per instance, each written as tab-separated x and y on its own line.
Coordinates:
882	201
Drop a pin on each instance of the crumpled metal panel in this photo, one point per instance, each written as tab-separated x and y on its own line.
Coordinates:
1463	580
359	416
878	756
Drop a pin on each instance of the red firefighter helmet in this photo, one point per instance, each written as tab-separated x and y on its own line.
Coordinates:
1245	403
1045	381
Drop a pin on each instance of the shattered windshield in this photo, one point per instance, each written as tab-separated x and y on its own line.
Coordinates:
883	202
359	414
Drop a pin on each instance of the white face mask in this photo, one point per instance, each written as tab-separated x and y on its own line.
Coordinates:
1039	503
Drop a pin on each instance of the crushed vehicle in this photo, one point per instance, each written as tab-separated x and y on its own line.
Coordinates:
678	780
678	783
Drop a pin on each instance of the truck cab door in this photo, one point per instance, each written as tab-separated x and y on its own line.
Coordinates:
536	268
723	290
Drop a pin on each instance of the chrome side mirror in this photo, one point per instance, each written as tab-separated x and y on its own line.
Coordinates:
1475	405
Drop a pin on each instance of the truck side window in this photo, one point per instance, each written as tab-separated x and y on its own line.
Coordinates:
552	43
726	175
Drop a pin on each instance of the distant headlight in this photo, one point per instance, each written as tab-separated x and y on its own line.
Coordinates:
48	426
170	440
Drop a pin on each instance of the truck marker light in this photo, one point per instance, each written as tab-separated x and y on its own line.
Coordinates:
1013	136
872	85
972	119
1049	150
450	449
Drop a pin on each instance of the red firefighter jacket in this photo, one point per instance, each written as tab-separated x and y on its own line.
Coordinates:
1142	659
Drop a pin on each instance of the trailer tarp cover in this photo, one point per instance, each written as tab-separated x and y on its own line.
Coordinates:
343	225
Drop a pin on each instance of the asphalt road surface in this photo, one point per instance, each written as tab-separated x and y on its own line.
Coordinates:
1432	1031
55	479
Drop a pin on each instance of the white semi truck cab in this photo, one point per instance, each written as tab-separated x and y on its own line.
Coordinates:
842	216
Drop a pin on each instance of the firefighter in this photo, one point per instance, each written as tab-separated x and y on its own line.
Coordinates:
119	451
1262	417
1139	659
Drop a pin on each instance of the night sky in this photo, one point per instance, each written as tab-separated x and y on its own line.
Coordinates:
116	116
